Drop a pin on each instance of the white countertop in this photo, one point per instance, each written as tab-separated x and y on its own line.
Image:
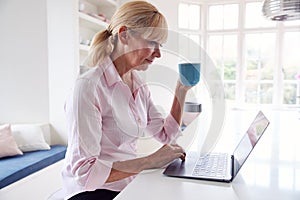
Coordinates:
272	171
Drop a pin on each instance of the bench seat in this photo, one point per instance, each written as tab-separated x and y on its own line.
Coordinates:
15	168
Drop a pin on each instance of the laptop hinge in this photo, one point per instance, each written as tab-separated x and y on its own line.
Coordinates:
232	167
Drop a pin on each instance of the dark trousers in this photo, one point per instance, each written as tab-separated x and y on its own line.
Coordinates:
99	194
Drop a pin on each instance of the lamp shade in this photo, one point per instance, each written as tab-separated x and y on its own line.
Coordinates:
281	10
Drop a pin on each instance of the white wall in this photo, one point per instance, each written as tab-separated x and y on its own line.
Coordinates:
62	60
37	61
23	61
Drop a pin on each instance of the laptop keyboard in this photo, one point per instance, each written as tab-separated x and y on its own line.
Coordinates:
211	165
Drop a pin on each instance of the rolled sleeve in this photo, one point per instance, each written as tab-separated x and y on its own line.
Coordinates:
100	169
85	173
172	129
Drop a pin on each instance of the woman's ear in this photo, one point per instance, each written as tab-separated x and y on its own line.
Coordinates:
123	34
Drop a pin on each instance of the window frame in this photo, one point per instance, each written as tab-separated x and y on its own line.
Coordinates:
279	30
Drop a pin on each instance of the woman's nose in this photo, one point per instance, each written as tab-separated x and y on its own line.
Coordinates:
156	52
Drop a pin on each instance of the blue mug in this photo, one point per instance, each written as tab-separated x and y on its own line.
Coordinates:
189	73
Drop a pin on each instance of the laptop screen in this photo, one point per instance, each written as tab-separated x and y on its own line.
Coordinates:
249	140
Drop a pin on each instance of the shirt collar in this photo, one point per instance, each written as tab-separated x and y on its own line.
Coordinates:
110	72
112	76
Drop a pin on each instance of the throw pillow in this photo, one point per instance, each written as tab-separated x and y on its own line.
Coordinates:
8	145
29	137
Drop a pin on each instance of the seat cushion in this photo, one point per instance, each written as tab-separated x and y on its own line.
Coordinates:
15	168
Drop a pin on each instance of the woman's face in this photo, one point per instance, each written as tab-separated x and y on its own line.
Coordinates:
141	52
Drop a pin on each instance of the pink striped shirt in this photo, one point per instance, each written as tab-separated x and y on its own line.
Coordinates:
104	122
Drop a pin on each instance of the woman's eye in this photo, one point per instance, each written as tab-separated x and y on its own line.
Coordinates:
154	44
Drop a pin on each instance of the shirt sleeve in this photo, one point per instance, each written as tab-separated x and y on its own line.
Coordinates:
165	130
85	132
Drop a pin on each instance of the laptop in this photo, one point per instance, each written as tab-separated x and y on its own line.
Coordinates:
220	167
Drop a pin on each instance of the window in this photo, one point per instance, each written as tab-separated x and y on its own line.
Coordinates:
257	58
254	17
189	16
259	65
223	48
291	67
223	16
189	45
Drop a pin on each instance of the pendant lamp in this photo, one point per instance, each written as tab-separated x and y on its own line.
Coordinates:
281	10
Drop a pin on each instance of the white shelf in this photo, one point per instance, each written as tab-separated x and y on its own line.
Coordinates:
104	2
84	48
91	22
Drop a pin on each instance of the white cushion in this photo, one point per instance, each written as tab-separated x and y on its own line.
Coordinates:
29	137
46	132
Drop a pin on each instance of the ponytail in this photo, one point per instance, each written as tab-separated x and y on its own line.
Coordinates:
101	47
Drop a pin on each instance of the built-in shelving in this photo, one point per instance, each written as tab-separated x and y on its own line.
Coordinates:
91	22
84	48
93	16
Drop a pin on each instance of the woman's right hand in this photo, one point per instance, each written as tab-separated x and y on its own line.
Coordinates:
166	154
163	156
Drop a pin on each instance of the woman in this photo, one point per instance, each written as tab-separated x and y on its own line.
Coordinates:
111	107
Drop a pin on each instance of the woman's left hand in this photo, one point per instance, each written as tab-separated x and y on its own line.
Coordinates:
182	87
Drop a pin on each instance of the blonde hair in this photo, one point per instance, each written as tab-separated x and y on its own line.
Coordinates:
141	16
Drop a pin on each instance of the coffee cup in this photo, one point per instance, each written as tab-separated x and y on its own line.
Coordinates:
189	73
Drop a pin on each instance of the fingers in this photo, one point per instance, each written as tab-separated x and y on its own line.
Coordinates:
180	85
177	148
180	152
182	157
166	154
